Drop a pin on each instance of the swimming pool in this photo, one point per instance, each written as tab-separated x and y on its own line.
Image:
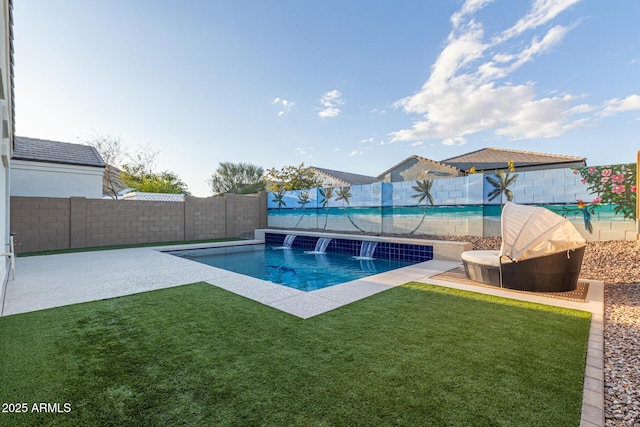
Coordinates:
291	267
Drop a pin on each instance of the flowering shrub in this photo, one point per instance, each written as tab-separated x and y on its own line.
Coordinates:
612	184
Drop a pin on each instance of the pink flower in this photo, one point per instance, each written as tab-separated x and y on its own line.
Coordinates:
604	179
584	181
633	189
575	172
606	172
597	201
618	189
618	178
592	170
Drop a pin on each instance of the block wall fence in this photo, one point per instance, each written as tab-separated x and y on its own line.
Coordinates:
600	201
45	223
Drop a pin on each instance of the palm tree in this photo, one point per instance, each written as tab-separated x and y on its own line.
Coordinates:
501	186
279	199
423	189
327	194
344	193
303	199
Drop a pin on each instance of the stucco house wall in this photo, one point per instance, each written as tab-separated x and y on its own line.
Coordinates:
40	179
6	135
44	168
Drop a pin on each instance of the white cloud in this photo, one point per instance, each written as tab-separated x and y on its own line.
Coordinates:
613	106
284	106
471	89
302	152
541	12
455	141
329	112
468	8
356	153
377	112
417	144
330	101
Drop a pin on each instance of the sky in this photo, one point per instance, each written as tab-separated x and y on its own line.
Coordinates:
355	86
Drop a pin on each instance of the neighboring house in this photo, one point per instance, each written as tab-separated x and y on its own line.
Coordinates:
485	160
43	168
495	159
7	122
416	168
333	178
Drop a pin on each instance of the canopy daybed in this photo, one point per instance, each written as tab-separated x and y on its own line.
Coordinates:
541	251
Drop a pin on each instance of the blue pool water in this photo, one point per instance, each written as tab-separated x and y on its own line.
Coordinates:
291	267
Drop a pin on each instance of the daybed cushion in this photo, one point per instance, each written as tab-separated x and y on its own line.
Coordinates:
491	258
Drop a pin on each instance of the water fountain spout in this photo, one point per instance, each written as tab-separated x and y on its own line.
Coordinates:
367	249
321	246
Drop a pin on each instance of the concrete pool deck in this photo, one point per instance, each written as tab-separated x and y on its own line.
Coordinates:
50	281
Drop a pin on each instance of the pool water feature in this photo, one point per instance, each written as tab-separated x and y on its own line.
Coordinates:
367	249
321	246
291	267
288	242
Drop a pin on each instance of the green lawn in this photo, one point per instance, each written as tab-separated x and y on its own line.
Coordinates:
416	355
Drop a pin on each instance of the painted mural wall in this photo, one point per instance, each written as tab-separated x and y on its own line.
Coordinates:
600	201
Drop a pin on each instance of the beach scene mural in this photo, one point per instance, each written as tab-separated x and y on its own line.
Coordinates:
599	200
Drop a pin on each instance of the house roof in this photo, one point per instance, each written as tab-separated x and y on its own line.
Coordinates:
497	158
42	150
348	178
437	167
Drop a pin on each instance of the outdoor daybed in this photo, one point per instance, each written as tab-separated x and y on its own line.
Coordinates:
541	252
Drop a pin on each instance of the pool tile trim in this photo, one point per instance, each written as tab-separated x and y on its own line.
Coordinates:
384	250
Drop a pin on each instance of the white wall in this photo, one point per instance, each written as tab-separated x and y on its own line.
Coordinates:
6	138
39	179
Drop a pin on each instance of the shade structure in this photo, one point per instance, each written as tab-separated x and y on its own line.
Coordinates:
532	231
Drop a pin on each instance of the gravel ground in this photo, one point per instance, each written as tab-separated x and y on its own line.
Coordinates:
617	263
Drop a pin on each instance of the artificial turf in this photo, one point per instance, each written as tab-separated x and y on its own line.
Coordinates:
196	355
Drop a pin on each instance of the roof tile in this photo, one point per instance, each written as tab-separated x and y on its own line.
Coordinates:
41	150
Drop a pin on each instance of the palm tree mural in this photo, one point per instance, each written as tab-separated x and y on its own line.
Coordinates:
423	191
279	199
501	186
327	195
303	199
344	194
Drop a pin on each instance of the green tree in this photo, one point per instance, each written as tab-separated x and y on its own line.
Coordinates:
139	175
344	194
291	178
237	178
152	182
423	191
